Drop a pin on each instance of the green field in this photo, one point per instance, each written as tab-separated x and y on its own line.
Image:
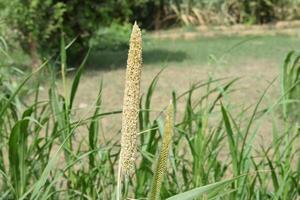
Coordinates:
222	51
231	130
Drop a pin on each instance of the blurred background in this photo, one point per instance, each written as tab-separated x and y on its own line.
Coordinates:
194	39
36	27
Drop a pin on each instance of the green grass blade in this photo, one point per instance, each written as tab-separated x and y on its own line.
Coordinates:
150	91
17	152
231	141
204	190
77	80
20	86
273	174
94	129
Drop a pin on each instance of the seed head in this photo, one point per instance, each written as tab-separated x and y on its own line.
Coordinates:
131	102
163	155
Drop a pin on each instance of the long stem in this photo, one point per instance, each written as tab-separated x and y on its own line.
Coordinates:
118	192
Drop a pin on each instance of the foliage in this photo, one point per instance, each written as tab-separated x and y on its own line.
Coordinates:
114	37
42	155
204	12
37	25
46	159
290	86
35	22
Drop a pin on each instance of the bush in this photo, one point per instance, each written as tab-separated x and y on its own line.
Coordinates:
37	25
113	37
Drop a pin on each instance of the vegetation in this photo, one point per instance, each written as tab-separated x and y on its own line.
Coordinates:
214	152
206	12
219	52
37	25
290	83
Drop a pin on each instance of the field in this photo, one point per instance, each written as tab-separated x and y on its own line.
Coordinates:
256	60
234	133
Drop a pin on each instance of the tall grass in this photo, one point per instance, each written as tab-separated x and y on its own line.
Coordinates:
290	85
216	152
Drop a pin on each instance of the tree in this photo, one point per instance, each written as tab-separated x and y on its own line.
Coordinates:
38	24
34	23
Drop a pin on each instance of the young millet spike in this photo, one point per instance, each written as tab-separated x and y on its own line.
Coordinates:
131	102
163	155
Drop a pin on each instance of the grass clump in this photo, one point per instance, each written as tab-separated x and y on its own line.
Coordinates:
49	152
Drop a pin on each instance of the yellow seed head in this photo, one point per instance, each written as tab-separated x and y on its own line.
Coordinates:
131	102
163	155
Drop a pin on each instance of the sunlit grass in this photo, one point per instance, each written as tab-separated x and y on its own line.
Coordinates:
211	151
222	51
